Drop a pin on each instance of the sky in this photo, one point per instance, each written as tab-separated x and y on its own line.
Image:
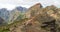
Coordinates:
11	4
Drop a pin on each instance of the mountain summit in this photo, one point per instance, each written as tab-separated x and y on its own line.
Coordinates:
38	5
32	11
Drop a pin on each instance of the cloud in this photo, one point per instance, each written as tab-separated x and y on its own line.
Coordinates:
24	3
49	2
8	6
27	3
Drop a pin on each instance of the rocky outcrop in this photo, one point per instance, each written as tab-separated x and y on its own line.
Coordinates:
32	11
48	18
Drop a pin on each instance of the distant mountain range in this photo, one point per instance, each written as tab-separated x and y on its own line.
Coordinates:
4	13
22	9
8	16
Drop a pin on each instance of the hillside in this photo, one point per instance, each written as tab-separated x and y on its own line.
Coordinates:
38	19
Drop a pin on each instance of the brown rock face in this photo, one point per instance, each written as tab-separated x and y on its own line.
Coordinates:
38	5
32	11
47	18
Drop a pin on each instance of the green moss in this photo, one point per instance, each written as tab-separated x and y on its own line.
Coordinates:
5	30
6	27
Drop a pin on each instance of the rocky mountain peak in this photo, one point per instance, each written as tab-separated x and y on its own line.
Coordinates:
38	4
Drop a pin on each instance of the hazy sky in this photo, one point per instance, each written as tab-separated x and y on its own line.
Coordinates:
10	4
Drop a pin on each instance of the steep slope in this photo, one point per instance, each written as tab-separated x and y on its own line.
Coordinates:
17	13
13	15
